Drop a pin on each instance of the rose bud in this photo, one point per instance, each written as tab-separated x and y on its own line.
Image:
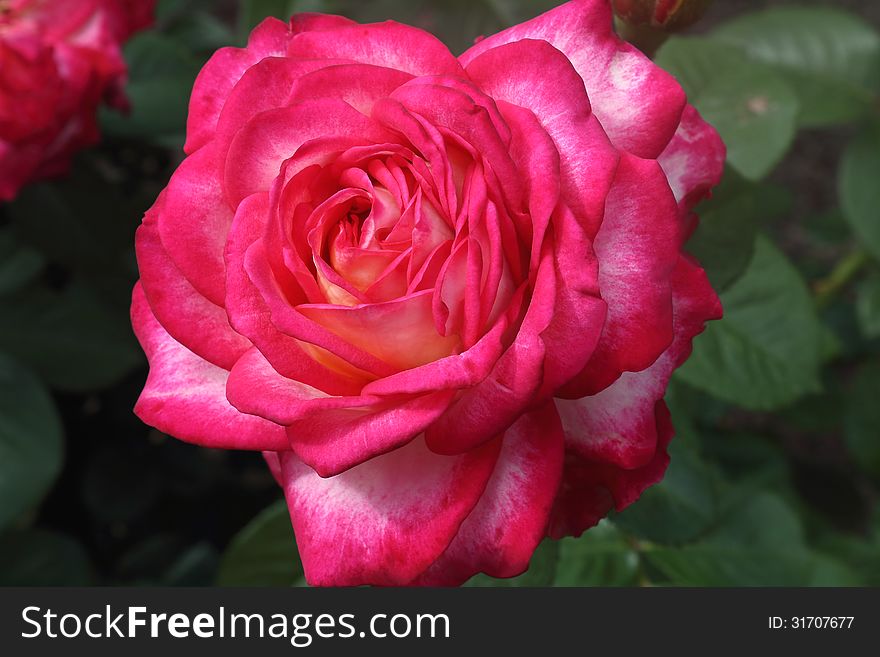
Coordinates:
444	296
59	61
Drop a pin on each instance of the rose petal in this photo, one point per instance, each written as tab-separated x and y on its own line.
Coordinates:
693	160
617	425
637	248
185	395
359	85
536	76
490	407
386	520
637	103
260	147
225	68
194	221
251	317
400	332
191	319
330	434
501	533
389	44
589	489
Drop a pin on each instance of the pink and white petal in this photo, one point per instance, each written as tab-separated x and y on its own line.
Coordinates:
225	68
637	247
333	440
274	462
385	521
194	220
501	533
191	319
359	85
330	434
487	409
638	104
617	425
693	160
259	149
185	395
388	44
264	86
589	489
581	313
536	76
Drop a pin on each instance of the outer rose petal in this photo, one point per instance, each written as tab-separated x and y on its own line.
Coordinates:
194	220
534	75
638	103
693	160
617	425
384	521
186	396
637	247
227	66
200	325
590	490
264	86
501	533
388	44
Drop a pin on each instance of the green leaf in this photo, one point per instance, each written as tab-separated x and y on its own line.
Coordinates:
73	339
725	240
761	543
697	61
755	112
19	264
31	449
868	306
678	509
766	351
263	553
859	188
862	418
830	57
863	556
42	558
601	557
195	567
541	571
161	77
753	108
81	222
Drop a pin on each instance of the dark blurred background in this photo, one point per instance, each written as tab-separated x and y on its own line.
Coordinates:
782	492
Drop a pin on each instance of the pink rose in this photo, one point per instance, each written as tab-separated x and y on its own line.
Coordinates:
59	59
444	296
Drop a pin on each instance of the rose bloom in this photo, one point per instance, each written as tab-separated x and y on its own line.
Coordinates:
59	60
443	295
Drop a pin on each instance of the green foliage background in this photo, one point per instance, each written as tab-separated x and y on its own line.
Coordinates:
775	472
